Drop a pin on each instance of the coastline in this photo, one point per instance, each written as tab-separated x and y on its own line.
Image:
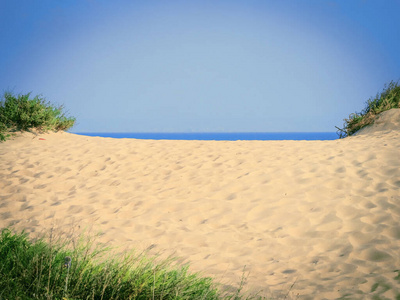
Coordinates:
217	136
320	214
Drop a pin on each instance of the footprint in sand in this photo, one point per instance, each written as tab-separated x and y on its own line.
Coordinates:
40	186
375	255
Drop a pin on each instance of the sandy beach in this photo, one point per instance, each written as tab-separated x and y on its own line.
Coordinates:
311	219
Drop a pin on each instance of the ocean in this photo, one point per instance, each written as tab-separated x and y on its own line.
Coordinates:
219	136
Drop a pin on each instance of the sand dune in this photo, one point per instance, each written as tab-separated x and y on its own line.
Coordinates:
322	215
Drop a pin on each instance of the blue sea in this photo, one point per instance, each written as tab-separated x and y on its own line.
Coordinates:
220	136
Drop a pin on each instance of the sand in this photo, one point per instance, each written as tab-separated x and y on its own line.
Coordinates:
308	219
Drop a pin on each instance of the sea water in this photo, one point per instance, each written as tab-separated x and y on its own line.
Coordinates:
219	136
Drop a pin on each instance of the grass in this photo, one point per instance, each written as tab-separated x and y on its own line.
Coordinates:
22	113
389	98
55	270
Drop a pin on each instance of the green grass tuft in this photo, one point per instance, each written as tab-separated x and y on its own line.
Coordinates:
21	113
389	98
52	270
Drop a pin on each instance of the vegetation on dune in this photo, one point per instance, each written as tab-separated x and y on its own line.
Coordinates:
20	113
389	98
55	270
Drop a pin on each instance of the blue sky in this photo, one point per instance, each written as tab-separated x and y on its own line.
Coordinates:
201	66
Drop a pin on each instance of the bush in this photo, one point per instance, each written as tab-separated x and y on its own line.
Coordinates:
55	270
3	132
389	98
20	113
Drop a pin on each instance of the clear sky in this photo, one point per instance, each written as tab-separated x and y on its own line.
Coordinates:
201	66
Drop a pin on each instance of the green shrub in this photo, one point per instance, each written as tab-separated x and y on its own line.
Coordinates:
55	270
3	132
20	113
389	98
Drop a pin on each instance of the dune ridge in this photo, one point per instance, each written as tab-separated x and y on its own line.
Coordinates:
322	216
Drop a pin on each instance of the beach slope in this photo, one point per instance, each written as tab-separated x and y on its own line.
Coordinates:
315	219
